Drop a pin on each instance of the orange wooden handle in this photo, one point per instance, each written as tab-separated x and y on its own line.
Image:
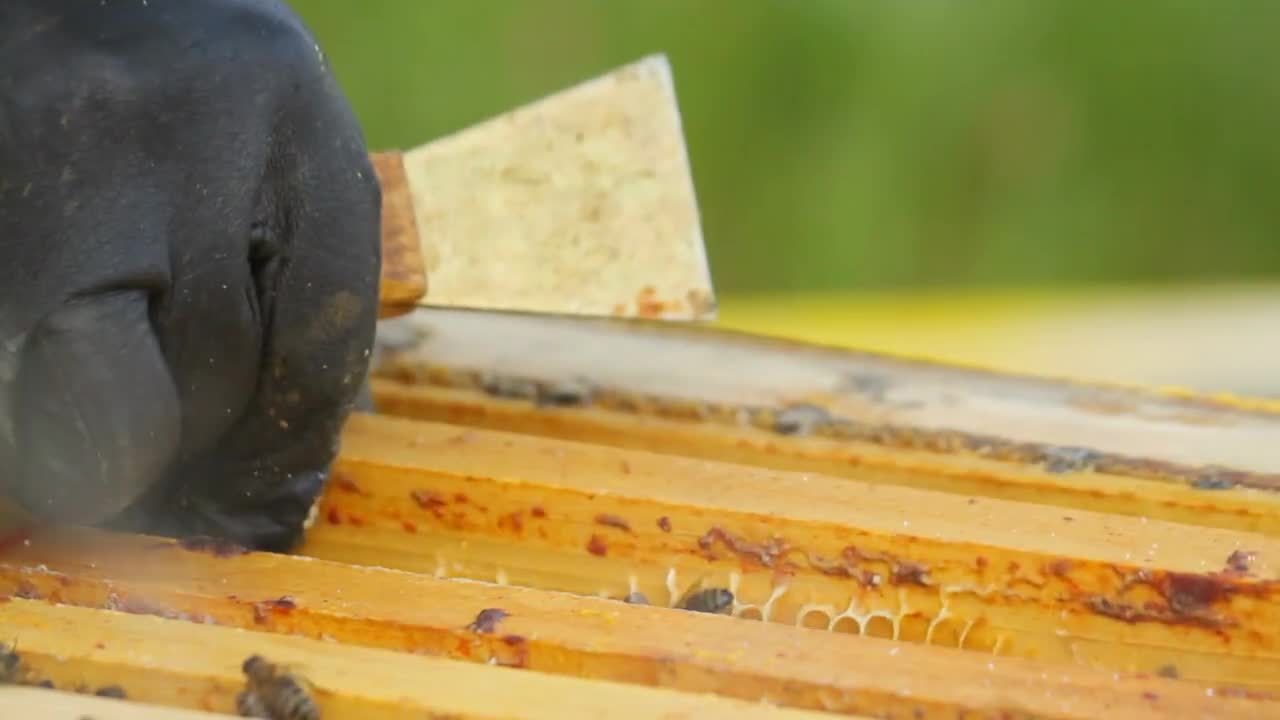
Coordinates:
404	276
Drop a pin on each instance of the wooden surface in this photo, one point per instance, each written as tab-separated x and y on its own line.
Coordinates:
941	600
719	395
1004	578
581	202
1218	338
700	365
1213	505
197	666
556	633
29	703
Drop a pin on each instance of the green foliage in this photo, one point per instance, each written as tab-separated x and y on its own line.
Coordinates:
851	144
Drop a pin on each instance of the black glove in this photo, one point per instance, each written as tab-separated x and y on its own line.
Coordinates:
189	262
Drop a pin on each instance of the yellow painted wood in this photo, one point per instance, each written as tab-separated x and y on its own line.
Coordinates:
29	703
191	665
714	394
584	637
987	575
1216	338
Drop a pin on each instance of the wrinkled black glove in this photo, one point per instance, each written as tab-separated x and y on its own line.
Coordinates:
189	262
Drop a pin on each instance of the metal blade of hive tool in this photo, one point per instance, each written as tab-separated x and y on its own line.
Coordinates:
580	203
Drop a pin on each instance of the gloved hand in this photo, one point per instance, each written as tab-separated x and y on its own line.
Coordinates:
189	264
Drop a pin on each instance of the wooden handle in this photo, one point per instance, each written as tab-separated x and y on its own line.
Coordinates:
404	276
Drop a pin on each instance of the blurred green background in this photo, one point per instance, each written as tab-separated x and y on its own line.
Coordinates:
846	145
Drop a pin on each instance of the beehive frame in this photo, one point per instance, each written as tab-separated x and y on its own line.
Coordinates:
883	564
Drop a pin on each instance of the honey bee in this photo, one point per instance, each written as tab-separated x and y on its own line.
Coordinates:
10	664
802	419
505	386
566	393
1060	460
707	600
273	693
111	691
869	385
248	705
